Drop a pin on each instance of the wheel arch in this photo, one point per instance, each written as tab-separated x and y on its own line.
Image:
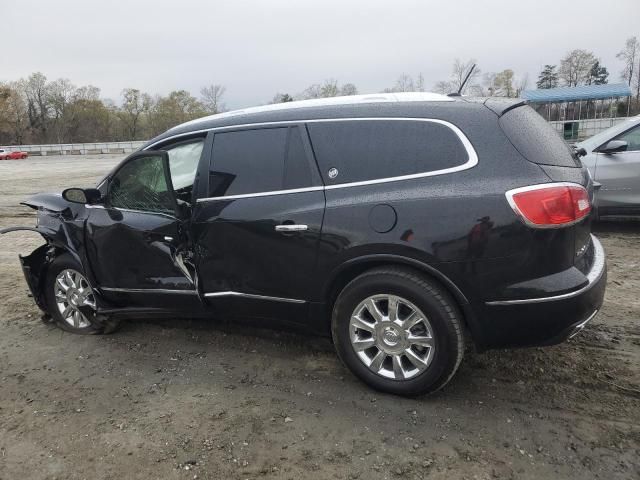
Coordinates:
36	264
352	268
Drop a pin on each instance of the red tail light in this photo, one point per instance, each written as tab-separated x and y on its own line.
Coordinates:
550	205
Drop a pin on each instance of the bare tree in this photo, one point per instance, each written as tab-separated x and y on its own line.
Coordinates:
312	91
631	58
521	84
37	94
211	98
575	67
61	93
134	104
443	87
459	73
329	88
406	83
13	112
348	89
420	83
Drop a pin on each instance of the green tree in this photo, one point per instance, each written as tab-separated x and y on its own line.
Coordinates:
176	108
548	77
282	98
598	75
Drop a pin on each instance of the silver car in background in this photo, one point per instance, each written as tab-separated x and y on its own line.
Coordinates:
613	158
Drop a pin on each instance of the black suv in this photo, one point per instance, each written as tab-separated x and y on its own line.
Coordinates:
398	224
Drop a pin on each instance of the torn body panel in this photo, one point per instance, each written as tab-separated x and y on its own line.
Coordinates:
34	267
70	228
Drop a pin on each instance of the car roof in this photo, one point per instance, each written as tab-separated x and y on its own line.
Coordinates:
400	104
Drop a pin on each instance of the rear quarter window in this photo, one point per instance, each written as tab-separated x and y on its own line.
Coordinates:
535	138
364	150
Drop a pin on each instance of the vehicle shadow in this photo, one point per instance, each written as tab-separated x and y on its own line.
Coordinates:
517	376
616	226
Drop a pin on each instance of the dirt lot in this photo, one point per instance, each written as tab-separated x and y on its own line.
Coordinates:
209	399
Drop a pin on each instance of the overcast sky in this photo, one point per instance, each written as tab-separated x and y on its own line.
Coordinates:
259	47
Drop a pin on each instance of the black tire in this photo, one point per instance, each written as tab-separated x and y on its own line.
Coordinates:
60	263
437	305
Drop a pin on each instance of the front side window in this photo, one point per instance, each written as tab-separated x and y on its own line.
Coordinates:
360	150
632	137
183	163
257	161
141	185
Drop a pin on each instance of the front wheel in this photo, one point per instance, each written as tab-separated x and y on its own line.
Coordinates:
67	290
398	331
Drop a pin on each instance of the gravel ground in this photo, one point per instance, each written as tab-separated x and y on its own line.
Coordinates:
210	399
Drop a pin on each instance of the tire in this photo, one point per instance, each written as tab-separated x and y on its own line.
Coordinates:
59	267
435	342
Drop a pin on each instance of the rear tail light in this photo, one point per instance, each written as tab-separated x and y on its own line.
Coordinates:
550	205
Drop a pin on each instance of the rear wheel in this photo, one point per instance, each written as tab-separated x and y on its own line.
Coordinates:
67	290
398	331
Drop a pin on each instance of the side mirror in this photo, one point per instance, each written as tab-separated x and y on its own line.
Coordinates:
614	146
581	152
82	195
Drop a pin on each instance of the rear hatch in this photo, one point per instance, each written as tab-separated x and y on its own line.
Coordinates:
537	141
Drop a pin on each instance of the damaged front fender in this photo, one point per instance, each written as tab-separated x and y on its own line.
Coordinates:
34	266
58	224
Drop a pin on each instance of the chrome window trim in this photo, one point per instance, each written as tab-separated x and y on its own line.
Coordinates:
471	162
541	186
593	276
132	211
262	194
252	296
148	290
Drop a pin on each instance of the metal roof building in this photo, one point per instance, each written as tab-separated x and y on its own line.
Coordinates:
576	94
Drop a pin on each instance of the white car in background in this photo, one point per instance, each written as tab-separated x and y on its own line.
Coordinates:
613	158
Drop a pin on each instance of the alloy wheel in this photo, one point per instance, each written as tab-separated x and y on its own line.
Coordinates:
72	291
392	336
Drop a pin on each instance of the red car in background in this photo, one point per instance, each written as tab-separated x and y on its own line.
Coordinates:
6	155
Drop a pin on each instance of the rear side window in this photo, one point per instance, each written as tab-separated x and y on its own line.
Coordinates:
535	139
363	150
257	161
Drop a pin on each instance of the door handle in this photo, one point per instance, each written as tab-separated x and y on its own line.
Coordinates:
291	228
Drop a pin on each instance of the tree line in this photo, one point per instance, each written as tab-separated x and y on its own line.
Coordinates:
35	110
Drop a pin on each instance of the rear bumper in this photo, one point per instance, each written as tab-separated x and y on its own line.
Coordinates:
545	320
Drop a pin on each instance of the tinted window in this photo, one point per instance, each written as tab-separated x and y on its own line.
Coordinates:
373	149
254	161
297	173
535	138
632	137
141	185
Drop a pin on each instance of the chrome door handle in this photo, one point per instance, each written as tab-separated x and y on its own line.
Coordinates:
291	228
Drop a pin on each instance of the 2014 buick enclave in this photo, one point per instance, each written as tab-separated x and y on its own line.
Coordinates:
392	223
